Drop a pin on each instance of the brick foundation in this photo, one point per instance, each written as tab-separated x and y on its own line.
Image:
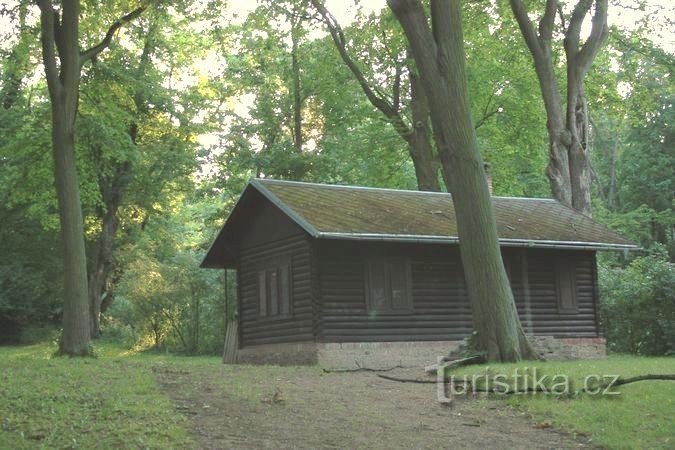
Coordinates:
571	348
383	354
350	355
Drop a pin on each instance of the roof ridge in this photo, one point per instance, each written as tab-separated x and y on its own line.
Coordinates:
353	187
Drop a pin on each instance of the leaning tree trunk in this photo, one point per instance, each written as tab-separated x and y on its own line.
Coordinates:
439	54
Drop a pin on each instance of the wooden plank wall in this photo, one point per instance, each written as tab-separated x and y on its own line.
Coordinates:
544	318
271	329
271	234
441	308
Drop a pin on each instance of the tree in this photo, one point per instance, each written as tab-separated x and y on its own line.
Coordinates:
60	41
415	132
568	124
439	54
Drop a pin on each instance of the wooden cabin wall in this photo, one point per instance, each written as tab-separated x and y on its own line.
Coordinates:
540	315
272	235
441	308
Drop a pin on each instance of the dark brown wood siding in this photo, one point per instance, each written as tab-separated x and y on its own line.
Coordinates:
441	308
541	315
272	236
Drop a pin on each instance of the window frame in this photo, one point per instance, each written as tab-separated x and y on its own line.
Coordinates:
274	288
566	286
386	305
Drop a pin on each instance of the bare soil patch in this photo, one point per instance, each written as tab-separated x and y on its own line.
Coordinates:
277	407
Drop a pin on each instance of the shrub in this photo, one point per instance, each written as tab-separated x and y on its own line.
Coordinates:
638	307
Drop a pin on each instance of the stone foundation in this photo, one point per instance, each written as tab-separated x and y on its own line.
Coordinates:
351	355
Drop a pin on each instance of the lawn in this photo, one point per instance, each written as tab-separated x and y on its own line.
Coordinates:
107	402
640	416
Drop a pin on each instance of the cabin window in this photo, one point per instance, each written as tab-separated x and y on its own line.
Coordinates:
274	288
388	285
566	285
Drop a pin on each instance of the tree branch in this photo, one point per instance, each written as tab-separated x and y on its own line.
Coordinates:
47	38
595	40
105	43
526	28
574	29
379	101
547	21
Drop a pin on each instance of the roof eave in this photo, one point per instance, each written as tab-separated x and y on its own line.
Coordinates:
533	243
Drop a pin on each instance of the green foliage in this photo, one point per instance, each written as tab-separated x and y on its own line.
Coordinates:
637	308
632	151
164	299
30	281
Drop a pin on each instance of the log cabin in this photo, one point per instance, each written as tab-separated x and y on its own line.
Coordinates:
345	276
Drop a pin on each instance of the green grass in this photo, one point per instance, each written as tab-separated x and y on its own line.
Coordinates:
107	402
641	416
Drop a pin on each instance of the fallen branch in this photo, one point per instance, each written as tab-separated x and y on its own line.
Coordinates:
623	381
362	369
474	389
467	385
406	380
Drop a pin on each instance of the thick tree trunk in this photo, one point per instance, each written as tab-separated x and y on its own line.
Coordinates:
75	339
59	30
439	54
569	169
577	124
419	144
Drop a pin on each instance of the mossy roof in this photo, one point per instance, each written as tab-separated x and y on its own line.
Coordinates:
362	213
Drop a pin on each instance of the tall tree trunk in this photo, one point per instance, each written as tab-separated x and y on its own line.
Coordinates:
440	58
75	338
297	95
60	34
611	189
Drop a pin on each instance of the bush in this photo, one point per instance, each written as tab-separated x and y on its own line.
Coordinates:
637	305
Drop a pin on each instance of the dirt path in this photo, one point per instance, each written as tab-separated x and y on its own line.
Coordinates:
248	407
